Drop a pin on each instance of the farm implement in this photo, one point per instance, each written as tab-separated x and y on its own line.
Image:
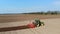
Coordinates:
30	25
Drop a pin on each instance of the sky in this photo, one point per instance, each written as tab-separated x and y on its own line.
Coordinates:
25	6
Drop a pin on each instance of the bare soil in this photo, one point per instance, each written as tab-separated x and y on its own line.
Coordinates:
52	26
23	17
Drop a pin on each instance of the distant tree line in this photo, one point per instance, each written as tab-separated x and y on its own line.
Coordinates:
51	12
48	12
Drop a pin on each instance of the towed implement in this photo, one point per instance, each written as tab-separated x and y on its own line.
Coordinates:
30	25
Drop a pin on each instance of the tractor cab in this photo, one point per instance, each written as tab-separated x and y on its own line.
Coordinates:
38	23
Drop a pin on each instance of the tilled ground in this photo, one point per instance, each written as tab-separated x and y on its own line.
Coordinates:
52	26
23	17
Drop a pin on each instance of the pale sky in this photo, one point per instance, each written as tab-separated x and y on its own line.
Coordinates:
24	6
